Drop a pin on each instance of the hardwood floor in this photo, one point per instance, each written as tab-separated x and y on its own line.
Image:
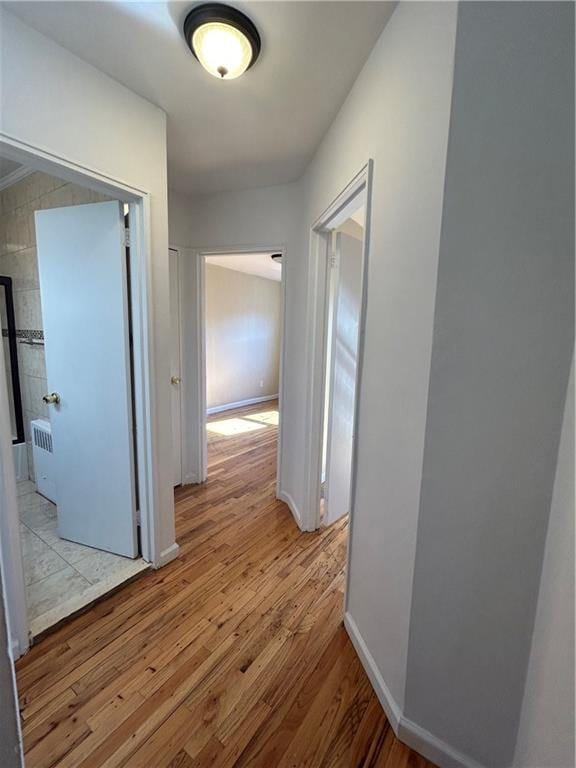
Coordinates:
232	655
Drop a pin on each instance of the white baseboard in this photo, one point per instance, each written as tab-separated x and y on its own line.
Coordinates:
289	501
389	705
408	732
240	404
20	451
191	479
167	555
432	748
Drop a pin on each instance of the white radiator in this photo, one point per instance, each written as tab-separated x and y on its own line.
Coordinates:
43	457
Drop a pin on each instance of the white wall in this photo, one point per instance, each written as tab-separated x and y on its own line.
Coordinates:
503	344
267	217
53	100
243	315
546	732
397	114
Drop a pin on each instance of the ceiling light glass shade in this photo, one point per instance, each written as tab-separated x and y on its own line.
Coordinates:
222	50
223	39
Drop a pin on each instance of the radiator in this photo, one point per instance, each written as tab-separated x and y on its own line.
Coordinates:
43	456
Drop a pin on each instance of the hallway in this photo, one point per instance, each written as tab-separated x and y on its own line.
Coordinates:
233	655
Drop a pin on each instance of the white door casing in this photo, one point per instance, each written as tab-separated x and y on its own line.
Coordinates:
83	283
175	367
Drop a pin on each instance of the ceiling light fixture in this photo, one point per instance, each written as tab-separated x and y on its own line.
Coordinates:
223	39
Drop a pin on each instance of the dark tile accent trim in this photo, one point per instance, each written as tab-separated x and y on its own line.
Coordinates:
27	335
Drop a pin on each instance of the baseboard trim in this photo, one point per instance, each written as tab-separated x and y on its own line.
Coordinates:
167	555
240	404
410	733
191	479
389	705
432	748
292	506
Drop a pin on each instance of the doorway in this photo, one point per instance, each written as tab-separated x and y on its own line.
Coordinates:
68	339
242	351
231	354
343	292
338	270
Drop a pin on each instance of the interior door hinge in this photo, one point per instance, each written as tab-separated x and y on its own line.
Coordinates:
126	237
333	261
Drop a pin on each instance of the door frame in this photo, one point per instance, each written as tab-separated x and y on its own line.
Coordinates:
143	371
193	352
177	251
334	215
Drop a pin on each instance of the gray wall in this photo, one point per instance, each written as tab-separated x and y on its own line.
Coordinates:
503	340
546	733
9	739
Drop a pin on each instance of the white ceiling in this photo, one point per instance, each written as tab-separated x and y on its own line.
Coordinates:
260	129
259	264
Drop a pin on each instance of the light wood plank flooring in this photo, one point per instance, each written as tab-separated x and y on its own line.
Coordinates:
233	655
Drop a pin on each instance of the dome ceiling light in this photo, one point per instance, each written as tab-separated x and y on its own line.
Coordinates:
223	39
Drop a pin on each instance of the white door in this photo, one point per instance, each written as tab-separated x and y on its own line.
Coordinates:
175	365
343	359
82	265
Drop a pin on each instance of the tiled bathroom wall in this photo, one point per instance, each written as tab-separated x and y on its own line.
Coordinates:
18	260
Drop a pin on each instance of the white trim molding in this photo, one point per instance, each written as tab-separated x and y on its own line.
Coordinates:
292	506
334	215
389	705
432	748
240	404
13	178
167	555
410	733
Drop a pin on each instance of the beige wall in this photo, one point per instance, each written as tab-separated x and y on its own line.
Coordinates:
242	336
18	260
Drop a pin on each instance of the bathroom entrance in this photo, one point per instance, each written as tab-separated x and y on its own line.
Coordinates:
65	274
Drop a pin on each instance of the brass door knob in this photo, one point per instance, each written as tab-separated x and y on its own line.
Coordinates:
52	399
176	380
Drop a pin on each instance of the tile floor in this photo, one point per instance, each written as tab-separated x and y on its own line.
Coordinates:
62	576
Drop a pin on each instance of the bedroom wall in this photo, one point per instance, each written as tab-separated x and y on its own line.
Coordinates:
243	316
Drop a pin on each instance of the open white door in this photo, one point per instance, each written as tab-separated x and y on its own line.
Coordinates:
175	365
342	385
83	285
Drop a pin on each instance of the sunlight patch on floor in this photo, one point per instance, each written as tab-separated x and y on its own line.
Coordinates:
227	427
264	417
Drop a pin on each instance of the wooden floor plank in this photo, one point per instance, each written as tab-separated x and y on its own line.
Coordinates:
232	655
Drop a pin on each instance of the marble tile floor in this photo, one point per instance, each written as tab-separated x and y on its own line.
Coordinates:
61	577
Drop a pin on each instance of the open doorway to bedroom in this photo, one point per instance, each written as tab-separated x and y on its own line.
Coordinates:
227	322
339	253
242	338
343	303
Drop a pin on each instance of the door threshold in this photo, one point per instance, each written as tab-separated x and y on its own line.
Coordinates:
54	618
